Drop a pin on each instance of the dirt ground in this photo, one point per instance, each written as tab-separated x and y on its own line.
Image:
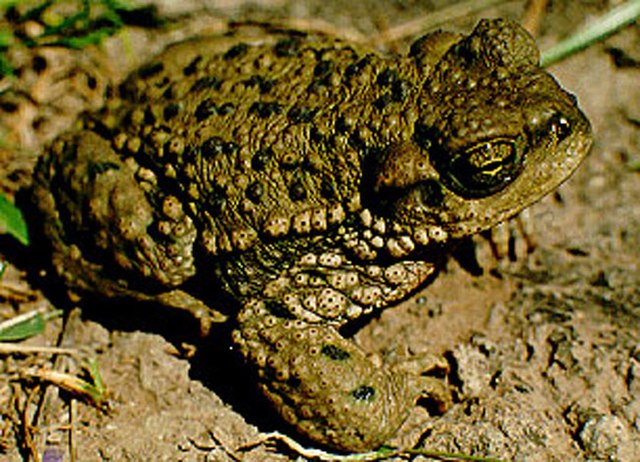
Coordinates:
545	348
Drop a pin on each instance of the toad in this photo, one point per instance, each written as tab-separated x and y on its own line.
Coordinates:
316	182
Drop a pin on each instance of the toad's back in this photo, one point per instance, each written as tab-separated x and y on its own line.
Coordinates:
264	135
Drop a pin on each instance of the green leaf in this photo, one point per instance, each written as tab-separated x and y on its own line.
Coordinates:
6	38
4	4
6	69
12	221
26	325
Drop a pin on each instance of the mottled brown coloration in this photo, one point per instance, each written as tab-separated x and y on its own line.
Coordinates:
315	181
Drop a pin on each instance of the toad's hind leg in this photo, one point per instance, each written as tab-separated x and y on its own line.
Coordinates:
112	230
102	207
323	384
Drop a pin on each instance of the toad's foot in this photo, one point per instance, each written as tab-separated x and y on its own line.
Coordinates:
323	384
512	239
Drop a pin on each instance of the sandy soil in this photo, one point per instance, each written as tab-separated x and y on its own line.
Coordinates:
546	348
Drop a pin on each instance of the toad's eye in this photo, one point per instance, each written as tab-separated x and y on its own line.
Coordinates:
483	168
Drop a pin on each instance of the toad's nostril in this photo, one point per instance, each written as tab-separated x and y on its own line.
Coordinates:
560	127
550	123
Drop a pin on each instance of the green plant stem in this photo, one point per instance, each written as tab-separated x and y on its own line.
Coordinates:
602	27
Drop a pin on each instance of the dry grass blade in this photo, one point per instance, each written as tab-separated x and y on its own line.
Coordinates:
383	453
12	348
90	391
533	15
432	20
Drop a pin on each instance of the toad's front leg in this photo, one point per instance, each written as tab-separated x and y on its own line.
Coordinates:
323	384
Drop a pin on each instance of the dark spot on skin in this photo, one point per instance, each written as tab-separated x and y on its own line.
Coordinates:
323	69
311	164
205	109
37	123
230	147
387	77
265	109
400	90
255	191
103	130
236	51
269	374
92	83
322	73
39	64
98	168
383	101
423	135
364	393
356	68
226	108
213	147
341	125
192	67
150	70
369	151
315	135
330	142
335	353
253	81
168	93
297	191
260	158
294	382
171	111
356	142
328	188
216	197
264	85
165	81
287	48
208	82
150	117
301	114
279	309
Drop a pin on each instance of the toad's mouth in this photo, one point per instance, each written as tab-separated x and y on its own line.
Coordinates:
481	169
